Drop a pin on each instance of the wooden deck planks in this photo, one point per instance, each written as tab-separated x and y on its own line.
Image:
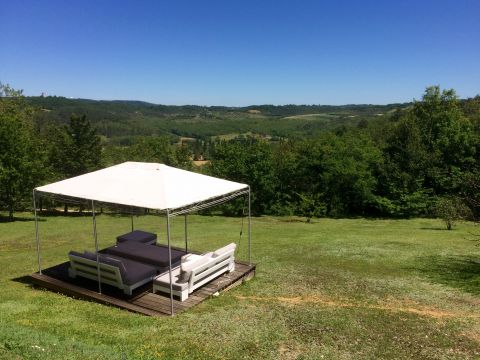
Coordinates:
146	302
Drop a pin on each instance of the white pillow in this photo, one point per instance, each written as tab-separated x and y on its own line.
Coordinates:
190	265
190	257
224	250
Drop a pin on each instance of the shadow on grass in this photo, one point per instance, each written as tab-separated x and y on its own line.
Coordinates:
88	213
26	279
436	228
6	219
462	272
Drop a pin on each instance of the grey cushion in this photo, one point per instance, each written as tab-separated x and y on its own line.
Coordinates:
130	270
133	271
137	236
184	276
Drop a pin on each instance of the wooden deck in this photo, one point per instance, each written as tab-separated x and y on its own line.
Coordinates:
142	301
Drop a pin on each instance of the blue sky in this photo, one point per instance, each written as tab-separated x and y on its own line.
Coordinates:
241	52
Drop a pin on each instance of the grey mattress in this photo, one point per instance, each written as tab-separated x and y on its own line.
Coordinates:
148	254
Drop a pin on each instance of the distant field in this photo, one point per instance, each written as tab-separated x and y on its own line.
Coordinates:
333	289
116	120
311	116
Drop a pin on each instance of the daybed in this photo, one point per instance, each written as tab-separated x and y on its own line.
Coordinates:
195	271
124	274
149	254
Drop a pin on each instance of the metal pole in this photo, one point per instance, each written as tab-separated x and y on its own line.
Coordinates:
170	262
96	248
249	228
186	237
131	216
37	237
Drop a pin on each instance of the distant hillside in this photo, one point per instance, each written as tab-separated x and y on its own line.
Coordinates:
126	119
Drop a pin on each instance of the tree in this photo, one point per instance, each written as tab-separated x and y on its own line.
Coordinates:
342	168
161	150
447	136
402	176
76	148
450	210
21	159
427	153
311	205
248	161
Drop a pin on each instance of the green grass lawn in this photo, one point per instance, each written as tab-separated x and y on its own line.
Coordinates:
332	289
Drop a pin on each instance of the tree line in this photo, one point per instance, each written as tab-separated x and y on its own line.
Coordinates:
422	160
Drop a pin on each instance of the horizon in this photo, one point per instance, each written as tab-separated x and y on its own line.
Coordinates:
239	54
226	106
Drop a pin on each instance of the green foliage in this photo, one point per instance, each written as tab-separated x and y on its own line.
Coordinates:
450	210
428	151
471	192
76	148
311	205
21	155
125	119
247	161
307	160
150	149
341	168
447	137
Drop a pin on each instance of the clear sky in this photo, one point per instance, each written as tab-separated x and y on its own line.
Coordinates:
241	52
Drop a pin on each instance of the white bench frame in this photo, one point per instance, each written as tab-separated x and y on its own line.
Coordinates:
200	275
109	274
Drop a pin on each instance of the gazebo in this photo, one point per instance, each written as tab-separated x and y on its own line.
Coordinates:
137	185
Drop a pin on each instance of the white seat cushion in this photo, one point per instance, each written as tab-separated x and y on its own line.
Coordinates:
164	280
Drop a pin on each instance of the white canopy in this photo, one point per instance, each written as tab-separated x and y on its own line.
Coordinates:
145	185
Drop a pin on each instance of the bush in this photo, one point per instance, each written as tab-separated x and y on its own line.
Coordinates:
451	210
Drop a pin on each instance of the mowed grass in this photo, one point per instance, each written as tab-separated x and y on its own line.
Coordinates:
332	289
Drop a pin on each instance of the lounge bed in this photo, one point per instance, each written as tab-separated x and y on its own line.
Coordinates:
149	254
125	274
195	271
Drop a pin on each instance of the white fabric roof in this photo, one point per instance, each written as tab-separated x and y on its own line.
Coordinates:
145	185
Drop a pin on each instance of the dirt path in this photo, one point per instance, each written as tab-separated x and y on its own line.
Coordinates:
392	305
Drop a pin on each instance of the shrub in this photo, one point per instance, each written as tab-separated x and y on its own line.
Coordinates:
451	210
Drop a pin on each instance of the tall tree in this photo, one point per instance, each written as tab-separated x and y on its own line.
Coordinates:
340	168
248	161
76	148
20	156
447	136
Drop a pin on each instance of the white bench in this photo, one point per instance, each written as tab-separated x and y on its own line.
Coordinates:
113	270
195	271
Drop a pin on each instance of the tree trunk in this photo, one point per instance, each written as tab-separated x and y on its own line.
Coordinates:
10	214
65	209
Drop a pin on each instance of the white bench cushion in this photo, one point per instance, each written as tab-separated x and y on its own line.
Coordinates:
191	263
224	250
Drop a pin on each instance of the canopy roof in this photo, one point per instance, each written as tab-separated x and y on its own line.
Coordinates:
145	185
